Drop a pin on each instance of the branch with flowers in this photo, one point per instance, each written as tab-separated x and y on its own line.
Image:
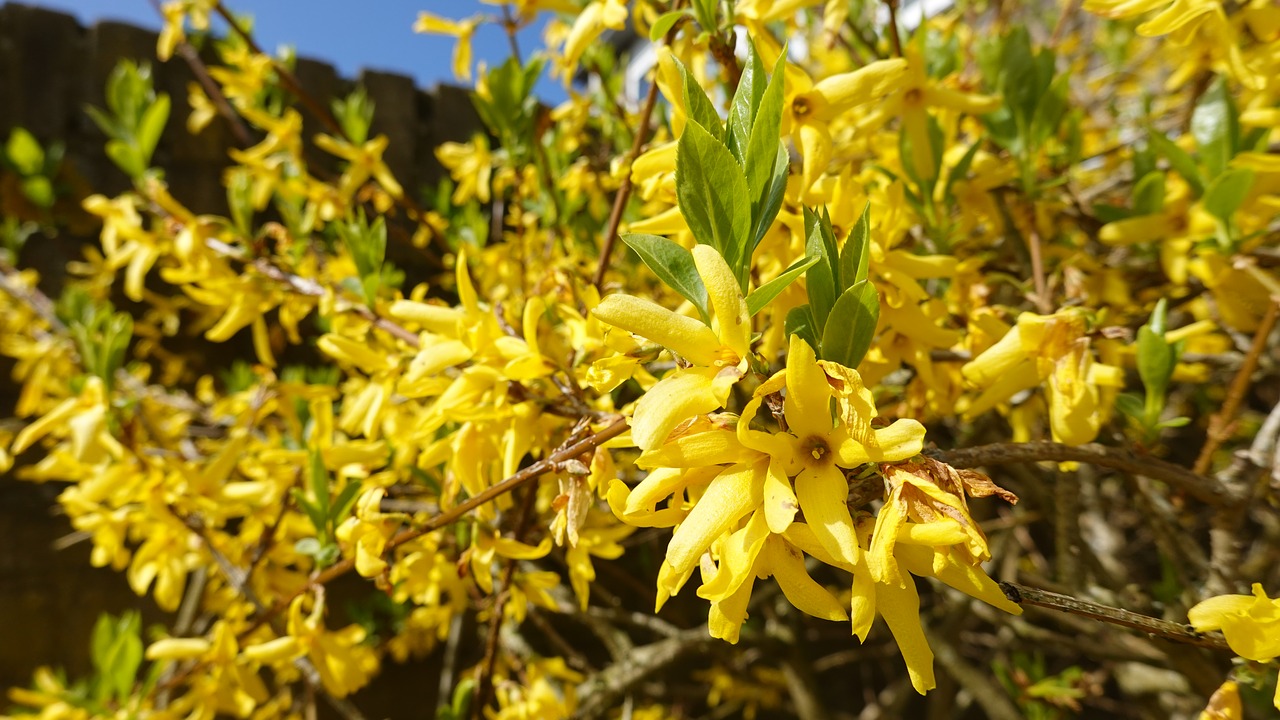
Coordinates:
705	380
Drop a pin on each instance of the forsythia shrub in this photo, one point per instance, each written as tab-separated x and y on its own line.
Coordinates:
856	262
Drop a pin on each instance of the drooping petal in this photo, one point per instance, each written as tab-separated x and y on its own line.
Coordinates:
680	334
737	559
900	608
733	324
787	565
711	447
780	504
731	495
845	90
822	493
674	399
969	579
902	440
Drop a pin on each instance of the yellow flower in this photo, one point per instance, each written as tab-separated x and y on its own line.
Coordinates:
816	446
365	161
812	107
1052	349
591	21
345	663
718	353
460	29
1250	623
470	165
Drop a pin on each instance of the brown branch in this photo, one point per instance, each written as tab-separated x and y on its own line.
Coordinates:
451	515
485	689
1177	632
311	288
624	191
1197	485
289	80
895	39
219	100
1221	424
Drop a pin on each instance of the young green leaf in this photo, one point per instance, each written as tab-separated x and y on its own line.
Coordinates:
151	127
762	153
664	23
319	482
674	266
744	107
1148	194
855	257
1227	192
761	296
1178	159
1216	127
820	278
851	327
800	322
698	106
24	151
712	194
773	199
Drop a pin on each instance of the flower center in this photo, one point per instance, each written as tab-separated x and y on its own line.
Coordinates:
816	447
800	107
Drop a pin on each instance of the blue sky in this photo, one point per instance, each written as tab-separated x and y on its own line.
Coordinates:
374	34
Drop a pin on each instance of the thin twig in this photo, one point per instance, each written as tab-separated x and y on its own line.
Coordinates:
1177	632
624	190
448	517
500	599
895	39
1221	424
1199	486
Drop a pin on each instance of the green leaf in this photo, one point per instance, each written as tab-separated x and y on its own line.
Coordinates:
319	481
698	106
855	257
1178	159
712	194
1018	76
1227	192
126	158
39	190
851	326
664	23
743	108
961	169
152	127
1148	194
343	503
1049	110
24	151
820	279
800	322
1216	127
760	297
674	266
1131	405
762	154
773	201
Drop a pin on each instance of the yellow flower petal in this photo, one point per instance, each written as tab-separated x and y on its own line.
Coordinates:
675	398
682	335
733	324
900	608
731	495
787	565
822	493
